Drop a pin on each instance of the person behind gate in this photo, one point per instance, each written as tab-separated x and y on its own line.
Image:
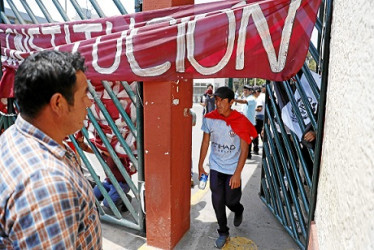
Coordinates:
45	201
229	133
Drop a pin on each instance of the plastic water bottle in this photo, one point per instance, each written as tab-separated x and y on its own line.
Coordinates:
203	180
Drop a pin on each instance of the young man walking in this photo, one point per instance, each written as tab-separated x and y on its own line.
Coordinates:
229	134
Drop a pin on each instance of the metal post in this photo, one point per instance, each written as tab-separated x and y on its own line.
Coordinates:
230	83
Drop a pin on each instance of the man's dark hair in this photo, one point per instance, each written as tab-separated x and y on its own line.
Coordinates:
42	75
225	92
209	85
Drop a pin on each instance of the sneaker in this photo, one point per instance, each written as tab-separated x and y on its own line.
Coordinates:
238	218
221	241
192	183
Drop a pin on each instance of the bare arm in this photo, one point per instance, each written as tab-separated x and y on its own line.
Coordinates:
310	136
84	145
203	152
235	179
259	108
241	101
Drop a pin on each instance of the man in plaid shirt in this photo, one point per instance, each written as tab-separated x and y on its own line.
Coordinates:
45	201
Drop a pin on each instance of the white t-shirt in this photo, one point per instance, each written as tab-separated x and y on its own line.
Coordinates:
261	102
225	146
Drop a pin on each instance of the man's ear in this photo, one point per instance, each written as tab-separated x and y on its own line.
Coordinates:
231	102
57	103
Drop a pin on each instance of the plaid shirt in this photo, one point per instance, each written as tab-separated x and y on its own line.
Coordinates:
45	201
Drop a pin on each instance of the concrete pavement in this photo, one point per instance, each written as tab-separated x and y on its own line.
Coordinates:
259	230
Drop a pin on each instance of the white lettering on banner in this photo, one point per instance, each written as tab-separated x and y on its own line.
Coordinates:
26	40
181	45
75	47
263	30
122	47
161	20
32	32
117	57
95	57
151	71
52	30
67	34
18	45
109	27
230	45
87	28
18	39
191	46
7	31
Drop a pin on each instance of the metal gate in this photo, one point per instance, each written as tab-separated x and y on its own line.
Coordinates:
22	12
290	166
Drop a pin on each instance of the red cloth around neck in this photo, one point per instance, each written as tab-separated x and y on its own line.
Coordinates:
239	124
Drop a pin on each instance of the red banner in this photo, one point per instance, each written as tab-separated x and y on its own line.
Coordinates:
266	39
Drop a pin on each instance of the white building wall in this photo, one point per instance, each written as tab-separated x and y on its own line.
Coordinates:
345	199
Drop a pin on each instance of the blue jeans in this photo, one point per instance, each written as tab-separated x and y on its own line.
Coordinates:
113	194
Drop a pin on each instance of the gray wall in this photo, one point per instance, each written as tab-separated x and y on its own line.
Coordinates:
345	200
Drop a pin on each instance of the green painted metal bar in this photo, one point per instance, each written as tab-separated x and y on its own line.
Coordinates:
313	51
2	123
304	98
119	166
120	7
6	123
288	230
4	18
301	159
312	82
293	233
92	172
113	126
113	154
78	9
301	122
267	196
61	10
293	165
126	118
129	91
286	139
318	26
321	112
97	8
45	11
291	221
295	107
117	103
113	180
121	222
29	11
140	145
138	5
280	175
270	186
274	179
16	12
274	189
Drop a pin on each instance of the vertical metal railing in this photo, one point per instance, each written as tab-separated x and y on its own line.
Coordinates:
290	169
134	218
